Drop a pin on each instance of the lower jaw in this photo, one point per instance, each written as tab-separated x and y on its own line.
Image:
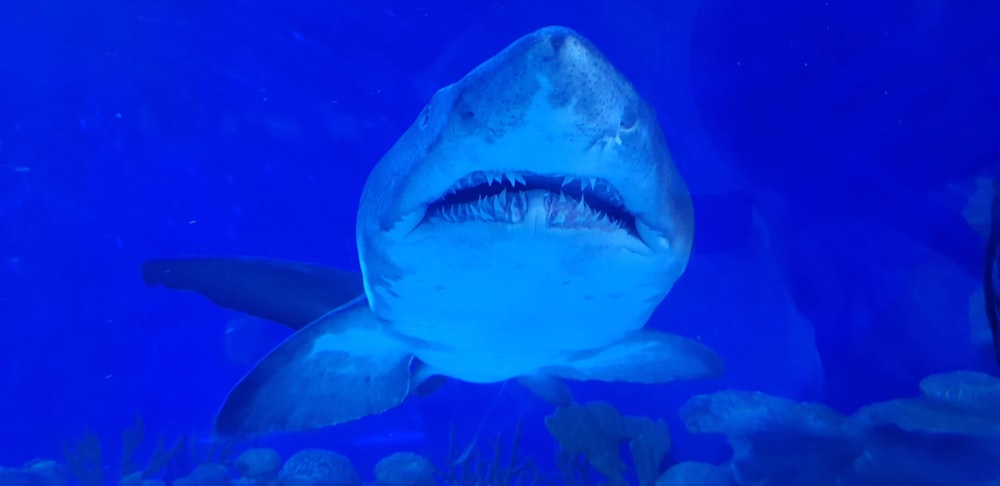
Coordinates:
490	239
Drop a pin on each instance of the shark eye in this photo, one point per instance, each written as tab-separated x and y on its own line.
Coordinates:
628	120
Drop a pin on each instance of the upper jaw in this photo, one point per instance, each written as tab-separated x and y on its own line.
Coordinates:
600	195
663	220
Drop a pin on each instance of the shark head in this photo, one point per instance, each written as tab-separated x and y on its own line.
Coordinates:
525	226
535	192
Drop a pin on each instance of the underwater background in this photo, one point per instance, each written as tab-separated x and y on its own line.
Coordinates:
840	156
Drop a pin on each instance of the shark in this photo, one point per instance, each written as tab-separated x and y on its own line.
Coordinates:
525	227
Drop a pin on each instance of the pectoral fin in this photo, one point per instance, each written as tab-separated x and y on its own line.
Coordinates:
643	357
338	369
289	293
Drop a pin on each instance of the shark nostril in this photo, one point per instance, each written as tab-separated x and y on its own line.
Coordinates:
425	116
557	42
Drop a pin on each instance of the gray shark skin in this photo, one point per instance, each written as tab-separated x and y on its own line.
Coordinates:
524	227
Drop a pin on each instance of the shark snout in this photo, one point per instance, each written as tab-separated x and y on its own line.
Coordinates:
579	76
557	38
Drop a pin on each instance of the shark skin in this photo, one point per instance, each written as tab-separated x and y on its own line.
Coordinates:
524	227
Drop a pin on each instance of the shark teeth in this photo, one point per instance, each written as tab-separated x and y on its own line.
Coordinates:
560	211
503	197
503	207
519	179
513	179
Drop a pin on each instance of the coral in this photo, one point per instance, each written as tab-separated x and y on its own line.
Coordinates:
46	473
948	435
745	413
318	467
592	431
405	469
207	475
763	429
591	435
649	442
258	465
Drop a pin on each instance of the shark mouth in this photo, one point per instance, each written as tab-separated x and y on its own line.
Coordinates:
510	197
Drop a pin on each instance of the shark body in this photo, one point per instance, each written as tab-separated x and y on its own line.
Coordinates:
524	227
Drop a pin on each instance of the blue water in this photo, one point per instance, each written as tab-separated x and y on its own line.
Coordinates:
833	151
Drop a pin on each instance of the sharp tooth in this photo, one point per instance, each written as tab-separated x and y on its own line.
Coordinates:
593	183
562	198
566	181
516	214
499	203
520	180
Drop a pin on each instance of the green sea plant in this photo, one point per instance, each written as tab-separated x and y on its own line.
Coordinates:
84	456
496	465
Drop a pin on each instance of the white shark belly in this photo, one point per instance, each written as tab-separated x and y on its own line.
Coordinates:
523	298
